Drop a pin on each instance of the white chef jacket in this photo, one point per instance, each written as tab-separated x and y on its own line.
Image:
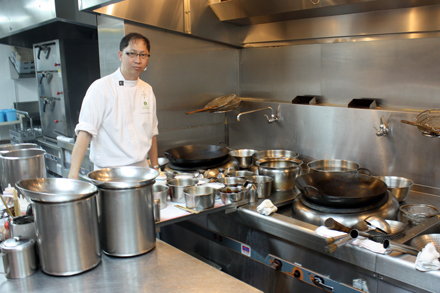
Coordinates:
121	117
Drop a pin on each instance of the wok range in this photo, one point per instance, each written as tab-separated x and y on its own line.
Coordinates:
347	197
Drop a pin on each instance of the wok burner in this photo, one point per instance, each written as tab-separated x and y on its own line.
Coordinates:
351	217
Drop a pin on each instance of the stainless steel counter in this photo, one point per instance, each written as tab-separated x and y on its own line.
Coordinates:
164	269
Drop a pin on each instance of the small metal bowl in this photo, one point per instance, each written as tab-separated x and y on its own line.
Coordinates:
243	156
199	198
420	242
177	187
161	192
418	213
398	186
232	194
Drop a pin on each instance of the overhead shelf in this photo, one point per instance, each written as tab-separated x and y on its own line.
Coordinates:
15	75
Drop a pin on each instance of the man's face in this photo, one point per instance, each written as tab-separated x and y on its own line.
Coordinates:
132	66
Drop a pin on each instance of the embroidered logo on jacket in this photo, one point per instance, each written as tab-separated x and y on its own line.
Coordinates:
145	107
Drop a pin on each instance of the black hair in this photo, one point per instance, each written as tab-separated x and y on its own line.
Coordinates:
133	36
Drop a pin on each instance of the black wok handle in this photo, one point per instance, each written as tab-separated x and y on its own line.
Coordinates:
312	187
169	156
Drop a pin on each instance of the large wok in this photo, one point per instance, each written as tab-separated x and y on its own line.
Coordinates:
339	189
196	155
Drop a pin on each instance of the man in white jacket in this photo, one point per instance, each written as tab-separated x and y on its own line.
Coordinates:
118	114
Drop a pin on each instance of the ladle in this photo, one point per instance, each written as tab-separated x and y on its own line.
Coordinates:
378	223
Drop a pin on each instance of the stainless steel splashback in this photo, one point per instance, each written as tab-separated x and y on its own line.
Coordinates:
327	132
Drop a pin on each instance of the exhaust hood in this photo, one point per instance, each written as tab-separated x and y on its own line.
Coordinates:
250	12
25	22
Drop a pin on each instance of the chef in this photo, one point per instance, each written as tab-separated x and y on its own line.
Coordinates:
118	114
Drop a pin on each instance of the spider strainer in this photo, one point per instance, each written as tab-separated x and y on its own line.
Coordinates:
431	119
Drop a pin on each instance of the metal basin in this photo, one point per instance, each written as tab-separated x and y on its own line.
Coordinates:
271	154
283	172
332	166
122	177
398	186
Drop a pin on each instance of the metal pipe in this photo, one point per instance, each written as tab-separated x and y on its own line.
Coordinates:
27	115
272	118
395	246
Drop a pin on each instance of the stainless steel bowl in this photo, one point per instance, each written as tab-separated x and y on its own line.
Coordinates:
332	166
161	192
271	154
243	156
232	194
418	213
398	186
199	198
177	187
283	172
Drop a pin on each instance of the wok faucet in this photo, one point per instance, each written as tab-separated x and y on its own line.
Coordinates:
383	128
270	119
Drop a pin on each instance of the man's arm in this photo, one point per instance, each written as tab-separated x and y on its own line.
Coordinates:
79	150
153	154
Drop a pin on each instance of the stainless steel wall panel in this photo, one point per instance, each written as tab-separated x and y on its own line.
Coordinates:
325	132
281	73
110	33
398	73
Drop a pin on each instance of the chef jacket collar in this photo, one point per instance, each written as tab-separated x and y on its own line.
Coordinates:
122	81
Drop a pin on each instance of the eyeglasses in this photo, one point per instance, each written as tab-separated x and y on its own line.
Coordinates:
134	55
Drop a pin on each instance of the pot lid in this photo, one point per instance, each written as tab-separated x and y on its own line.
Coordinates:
16	243
55	190
122	177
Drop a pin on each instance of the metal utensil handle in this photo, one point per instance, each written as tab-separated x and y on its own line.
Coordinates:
335	225
426	127
186	209
367	171
9	269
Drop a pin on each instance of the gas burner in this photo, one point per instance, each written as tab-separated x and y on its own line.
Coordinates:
337	210
314	214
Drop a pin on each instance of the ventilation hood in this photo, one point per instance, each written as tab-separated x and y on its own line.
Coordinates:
25	22
249	12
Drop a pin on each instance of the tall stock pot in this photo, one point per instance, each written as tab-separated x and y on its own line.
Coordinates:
126	209
20	164
282	170
66	224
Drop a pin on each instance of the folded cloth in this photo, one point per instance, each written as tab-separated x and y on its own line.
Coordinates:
328	233
266	207
369	245
427	259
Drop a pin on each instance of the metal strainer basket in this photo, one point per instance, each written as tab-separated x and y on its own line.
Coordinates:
431	119
420	242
